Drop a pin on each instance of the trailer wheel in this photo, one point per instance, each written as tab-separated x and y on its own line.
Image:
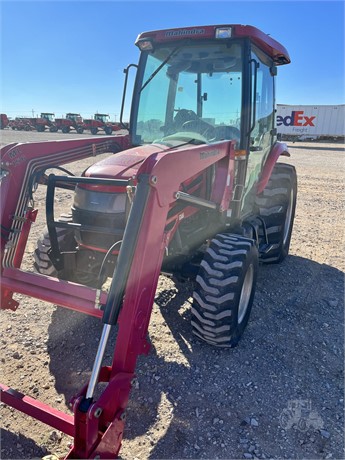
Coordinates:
224	290
276	206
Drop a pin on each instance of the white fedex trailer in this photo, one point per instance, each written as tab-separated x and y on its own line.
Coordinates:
310	121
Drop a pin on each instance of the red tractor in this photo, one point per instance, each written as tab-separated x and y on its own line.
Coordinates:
21	124
45	121
101	122
72	121
4	121
196	192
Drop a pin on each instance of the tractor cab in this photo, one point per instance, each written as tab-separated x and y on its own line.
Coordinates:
102	117
74	117
48	116
206	84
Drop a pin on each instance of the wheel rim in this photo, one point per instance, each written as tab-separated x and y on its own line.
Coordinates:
288	218
245	293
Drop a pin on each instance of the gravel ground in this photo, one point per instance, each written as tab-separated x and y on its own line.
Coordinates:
194	401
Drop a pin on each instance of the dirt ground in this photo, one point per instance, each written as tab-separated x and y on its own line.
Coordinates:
194	401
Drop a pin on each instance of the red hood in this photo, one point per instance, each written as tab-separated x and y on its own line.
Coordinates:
123	165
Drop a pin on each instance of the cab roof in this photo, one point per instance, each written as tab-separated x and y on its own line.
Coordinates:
274	49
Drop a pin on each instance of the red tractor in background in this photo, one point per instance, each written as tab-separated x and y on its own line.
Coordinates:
46	120
72	121
196	192
21	124
4	121
100	121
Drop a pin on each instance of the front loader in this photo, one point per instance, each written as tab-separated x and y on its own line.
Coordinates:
194	191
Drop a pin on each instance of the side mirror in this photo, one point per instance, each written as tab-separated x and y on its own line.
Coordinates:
274	71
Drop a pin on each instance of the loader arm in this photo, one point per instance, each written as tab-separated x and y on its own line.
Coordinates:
98	424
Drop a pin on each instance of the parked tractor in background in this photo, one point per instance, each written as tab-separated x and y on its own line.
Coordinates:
21	124
46	121
100	121
196	192
72	121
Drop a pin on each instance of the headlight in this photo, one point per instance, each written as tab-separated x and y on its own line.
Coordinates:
90	200
223	32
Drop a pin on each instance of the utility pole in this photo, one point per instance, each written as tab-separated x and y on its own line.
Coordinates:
33	113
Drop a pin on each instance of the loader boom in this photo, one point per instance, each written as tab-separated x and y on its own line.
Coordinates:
98	425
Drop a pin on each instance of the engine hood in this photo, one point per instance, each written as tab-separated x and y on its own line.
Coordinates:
123	165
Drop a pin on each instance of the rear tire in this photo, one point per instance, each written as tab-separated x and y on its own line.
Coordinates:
108	131
276	206
225	288
94	130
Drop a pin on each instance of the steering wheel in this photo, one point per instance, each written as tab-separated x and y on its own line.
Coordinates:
183	116
201	127
226	132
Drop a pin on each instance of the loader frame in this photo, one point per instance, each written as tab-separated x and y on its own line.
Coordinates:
97	425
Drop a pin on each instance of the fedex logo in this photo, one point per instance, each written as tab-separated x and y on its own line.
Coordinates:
295	119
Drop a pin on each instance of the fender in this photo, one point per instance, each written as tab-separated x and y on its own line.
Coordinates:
278	149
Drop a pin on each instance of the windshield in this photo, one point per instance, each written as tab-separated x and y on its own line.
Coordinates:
192	91
73	116
102	118
48	116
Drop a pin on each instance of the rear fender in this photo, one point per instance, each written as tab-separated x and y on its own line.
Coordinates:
278	149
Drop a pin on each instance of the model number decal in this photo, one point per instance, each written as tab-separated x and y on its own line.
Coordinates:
209	153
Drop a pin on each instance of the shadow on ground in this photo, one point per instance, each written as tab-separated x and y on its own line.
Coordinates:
14	446
292	350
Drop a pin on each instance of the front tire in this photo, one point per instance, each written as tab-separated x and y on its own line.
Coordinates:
225	288
66	240
86	276
276	206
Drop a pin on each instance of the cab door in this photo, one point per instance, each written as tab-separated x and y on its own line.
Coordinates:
262	133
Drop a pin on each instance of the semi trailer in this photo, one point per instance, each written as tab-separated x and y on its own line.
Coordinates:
310	121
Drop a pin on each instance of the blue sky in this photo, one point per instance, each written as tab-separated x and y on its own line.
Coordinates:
63	56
